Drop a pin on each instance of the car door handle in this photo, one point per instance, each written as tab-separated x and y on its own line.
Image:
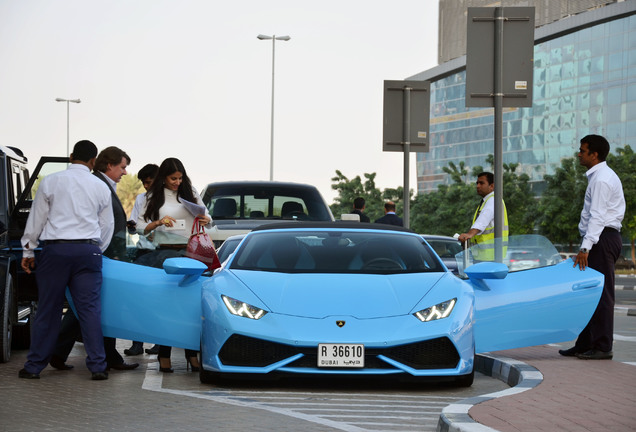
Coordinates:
585	285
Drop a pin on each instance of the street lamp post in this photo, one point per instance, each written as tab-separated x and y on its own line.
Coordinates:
274	38
67	119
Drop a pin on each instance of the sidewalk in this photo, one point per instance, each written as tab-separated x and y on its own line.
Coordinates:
550	393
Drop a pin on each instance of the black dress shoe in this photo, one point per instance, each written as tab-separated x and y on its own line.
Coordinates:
572	352
124	366
596	355
153	350
136	349
99	376
59	364
28	375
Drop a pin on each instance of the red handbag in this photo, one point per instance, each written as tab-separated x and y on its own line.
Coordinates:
201	248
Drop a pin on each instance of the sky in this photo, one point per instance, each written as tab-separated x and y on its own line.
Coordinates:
189	79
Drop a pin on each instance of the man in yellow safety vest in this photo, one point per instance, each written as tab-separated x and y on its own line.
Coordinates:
482	231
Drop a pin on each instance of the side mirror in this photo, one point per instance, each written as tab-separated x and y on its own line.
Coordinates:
190	268
487	270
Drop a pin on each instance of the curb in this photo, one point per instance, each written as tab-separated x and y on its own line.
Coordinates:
519	375
622	310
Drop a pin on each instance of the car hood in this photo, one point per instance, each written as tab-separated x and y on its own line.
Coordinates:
322	295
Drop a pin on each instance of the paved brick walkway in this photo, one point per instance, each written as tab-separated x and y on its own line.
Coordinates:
575	395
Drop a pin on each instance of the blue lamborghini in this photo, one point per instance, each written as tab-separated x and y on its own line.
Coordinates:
341	298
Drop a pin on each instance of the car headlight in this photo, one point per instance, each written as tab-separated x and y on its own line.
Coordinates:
242	309
439	311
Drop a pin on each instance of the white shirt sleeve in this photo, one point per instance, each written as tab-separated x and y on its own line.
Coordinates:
486	217
35	223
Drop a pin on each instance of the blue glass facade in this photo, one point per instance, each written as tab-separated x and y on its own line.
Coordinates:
584	82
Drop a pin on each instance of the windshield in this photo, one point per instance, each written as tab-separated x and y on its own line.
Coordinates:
336	251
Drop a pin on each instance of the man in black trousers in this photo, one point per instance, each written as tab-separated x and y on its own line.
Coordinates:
71	217
110	166
600	226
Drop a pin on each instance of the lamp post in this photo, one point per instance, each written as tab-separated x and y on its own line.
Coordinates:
274	38
67	119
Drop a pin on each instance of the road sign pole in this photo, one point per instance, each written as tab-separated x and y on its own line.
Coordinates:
407	151
498	130
499	76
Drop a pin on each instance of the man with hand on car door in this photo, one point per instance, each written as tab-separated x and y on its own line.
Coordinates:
72	217
600	226
482	231
110	167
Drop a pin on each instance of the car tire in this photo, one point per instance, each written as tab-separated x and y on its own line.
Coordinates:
207	377
6	325
465	380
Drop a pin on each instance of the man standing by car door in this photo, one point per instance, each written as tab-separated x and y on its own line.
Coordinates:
600	226
110	166
482	231
72	216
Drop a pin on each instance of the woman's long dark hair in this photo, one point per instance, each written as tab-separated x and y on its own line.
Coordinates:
155	197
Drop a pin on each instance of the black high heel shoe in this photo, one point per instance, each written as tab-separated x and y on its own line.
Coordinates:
190	365
164	369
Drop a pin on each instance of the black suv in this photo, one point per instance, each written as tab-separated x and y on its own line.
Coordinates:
18	290
237	207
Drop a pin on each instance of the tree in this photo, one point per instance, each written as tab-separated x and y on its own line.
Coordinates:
560	205
520	201
127	190
447	211
348	190
623	163
458	174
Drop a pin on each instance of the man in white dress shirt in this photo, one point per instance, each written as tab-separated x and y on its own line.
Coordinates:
482	231
72	218
600	226
110	167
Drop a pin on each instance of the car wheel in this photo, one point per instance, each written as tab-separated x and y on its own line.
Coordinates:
465	380
207	377
6	326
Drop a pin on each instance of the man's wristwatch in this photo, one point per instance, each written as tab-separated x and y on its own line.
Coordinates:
584	250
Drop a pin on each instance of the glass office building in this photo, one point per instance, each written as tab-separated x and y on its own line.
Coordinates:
584	82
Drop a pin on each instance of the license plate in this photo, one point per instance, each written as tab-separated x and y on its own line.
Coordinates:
341	355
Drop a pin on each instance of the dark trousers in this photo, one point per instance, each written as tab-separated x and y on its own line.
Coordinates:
599	332
78	266
70	330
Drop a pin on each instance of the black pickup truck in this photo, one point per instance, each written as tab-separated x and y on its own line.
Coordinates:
18	290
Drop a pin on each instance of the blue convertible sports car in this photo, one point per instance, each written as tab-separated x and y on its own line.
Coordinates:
345	299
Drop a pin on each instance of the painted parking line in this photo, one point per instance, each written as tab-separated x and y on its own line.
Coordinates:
352	412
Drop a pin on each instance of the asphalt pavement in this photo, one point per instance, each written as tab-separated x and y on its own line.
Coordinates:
547	392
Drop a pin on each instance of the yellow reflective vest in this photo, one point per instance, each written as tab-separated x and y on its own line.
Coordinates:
484	243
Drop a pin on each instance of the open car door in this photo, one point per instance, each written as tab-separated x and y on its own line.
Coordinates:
551	302
160	306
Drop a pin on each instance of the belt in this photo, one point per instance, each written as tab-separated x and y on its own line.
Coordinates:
610	229
81	241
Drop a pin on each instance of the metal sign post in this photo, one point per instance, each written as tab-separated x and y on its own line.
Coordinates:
499	74
406	122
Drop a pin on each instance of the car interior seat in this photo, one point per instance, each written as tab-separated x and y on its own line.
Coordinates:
224	208
291	207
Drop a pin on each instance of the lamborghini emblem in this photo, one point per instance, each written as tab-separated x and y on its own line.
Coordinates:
340	323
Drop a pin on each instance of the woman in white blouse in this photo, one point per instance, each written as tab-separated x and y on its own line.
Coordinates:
170	209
